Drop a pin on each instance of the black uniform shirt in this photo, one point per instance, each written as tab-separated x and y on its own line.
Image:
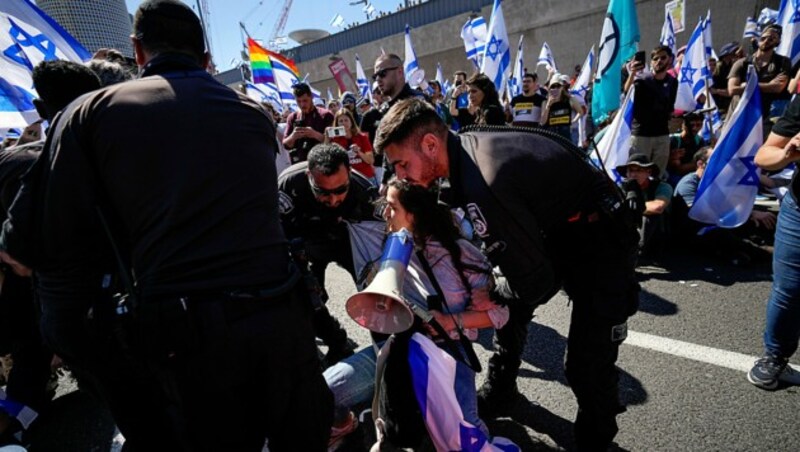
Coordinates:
302	216
194	210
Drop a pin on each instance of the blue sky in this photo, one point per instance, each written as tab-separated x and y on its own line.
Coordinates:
260	17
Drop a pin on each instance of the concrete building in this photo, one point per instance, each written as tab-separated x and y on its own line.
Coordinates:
569	27
94	23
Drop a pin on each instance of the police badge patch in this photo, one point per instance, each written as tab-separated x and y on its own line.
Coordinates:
285	204
478	221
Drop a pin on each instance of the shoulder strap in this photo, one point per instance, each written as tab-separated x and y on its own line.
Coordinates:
472	359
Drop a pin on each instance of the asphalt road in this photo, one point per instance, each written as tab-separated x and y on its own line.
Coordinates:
682	372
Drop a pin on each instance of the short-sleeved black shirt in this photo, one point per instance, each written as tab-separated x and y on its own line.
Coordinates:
788	126
653	105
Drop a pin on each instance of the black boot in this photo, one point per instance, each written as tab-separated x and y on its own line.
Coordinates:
499	392
333	335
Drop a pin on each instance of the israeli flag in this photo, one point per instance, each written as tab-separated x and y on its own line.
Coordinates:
584	80
618	43
433	375
694	73
265	92
668	33
789	18
362	81
285	79
546	58
330	95
515	82
614	147
474	33
767	16
729	185
497	56
440	76
414	74
337	21
27	37
712	124
750	28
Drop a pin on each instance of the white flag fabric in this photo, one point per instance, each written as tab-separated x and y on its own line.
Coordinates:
440	76
750	28
433	375
265	92
694	73
515	82
362	81
668	33
707	39
497	55
546	58
330	95
584	80
337	21
474	33
789	19
712	123
767	16
615	145
285	79
730	182
27	37
414	74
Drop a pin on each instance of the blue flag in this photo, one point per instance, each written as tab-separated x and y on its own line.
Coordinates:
497	56
789	19
27	37
618	42
729	185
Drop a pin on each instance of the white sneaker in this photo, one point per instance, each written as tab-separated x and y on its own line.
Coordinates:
790	375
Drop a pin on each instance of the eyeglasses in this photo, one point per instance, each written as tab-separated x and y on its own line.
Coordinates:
382	73
319	191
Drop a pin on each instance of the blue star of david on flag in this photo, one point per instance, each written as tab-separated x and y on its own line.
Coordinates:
687	74
494	47
751	176
796	13
39	42
498	53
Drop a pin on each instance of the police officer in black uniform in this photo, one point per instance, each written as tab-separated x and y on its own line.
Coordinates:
547	218
317	197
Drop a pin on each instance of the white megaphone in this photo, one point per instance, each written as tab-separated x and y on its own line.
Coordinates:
380	307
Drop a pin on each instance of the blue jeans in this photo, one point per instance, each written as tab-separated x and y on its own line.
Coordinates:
783	311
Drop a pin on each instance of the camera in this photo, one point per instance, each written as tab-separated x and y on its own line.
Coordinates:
336	132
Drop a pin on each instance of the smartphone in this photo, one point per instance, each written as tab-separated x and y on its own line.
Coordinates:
336	132
640	56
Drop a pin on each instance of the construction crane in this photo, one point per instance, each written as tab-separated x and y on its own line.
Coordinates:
281	23
205	22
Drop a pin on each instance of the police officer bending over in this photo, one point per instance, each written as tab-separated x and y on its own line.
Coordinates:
218	353
317	197
547	218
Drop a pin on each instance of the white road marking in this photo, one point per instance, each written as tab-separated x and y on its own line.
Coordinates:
709	355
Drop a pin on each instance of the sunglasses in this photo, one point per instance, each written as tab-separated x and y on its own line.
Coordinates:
382	73
319	191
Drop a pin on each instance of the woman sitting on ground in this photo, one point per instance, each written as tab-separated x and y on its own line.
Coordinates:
465	277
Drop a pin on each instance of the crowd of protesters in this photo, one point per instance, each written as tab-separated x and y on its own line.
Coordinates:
224	258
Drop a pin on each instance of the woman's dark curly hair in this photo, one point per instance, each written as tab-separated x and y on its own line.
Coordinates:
432	220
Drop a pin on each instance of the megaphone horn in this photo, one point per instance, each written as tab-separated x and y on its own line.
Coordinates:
380	307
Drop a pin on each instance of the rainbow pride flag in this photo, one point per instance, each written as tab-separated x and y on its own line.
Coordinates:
260	63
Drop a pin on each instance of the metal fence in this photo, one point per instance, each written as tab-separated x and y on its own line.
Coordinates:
415	16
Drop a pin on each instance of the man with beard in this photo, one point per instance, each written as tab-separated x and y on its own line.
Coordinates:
773	75
545	216
653	104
